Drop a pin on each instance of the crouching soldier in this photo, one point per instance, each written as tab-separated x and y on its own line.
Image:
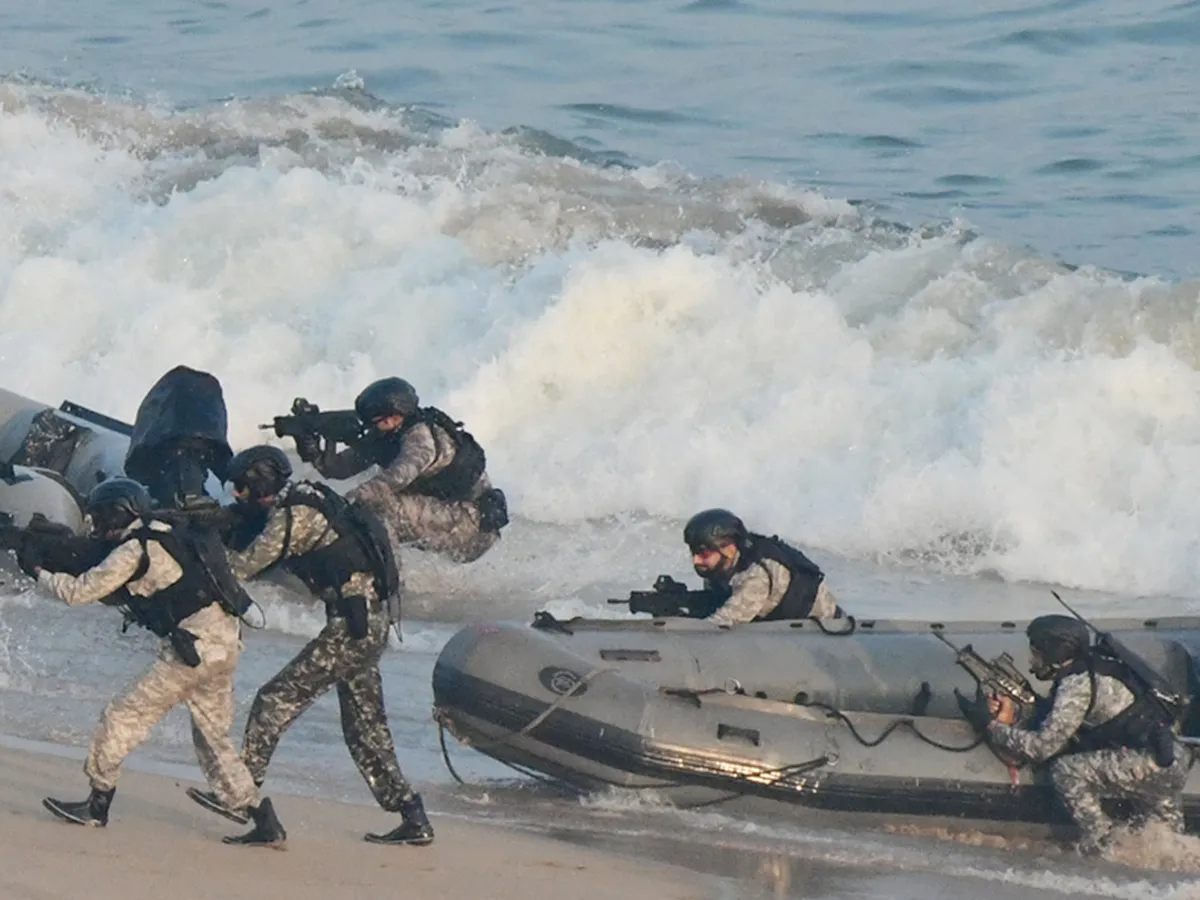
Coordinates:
752	578
1106	731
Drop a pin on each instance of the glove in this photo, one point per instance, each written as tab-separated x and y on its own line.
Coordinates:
29	557
975	711
308	448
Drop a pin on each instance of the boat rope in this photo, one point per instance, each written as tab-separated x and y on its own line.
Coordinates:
789	771
537	720
902	722
851	627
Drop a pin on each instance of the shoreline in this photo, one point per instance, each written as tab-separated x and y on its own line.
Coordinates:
158	841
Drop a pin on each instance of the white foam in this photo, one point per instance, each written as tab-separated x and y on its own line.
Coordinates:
625	343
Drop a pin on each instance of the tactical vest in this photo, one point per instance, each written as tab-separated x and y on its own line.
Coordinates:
806	577
1143	725
361	544
458	478
206	578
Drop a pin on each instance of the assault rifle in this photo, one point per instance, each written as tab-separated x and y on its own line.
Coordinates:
1000	676
51	545
307	420
671	598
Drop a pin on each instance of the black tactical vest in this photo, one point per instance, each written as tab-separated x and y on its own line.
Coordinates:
361	544
1143	725
456	480
206	579
806	577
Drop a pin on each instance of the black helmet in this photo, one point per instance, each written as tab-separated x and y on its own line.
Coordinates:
115	503
1058	640
263	470
712	529
386	397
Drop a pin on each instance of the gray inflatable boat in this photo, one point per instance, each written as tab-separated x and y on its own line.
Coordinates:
176	446
841	716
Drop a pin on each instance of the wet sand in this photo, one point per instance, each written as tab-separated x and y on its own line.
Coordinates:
158	844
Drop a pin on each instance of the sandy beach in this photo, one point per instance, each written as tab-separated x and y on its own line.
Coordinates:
159	844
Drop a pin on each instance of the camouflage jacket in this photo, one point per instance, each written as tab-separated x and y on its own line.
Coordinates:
293	531
760	588
1073	708
115	572
425	451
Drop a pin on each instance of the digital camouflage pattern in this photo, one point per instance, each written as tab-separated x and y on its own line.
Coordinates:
1082	779
206	690
435	526
760	588
449	528
293	531
116	570
332	659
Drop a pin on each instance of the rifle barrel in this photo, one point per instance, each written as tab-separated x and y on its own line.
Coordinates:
945	640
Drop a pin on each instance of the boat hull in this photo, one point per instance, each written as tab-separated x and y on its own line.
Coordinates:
647	708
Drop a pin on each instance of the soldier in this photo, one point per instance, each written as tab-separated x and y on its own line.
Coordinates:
1111	737
342	553
432	488
754	578
167	583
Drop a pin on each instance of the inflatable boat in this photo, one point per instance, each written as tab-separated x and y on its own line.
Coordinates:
839	716
51	457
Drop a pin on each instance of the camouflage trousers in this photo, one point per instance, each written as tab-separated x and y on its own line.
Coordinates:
333	658
448	528
1082	779
206	690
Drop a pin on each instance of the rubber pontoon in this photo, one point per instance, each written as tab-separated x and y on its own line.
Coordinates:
839	716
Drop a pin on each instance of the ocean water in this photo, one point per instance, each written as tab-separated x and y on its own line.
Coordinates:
910	284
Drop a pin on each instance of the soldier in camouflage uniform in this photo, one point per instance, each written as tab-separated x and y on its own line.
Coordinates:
1106	735
754	578
328	544
196	660
432	489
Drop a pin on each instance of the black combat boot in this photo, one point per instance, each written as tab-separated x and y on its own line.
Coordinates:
92	811
267	831
209	801
493	510
415	830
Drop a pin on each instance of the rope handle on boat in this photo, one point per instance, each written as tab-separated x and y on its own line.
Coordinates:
851	627
903	721
783	772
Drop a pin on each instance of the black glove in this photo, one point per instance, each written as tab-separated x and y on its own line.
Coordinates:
975	711
7	471
308	448
29	557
